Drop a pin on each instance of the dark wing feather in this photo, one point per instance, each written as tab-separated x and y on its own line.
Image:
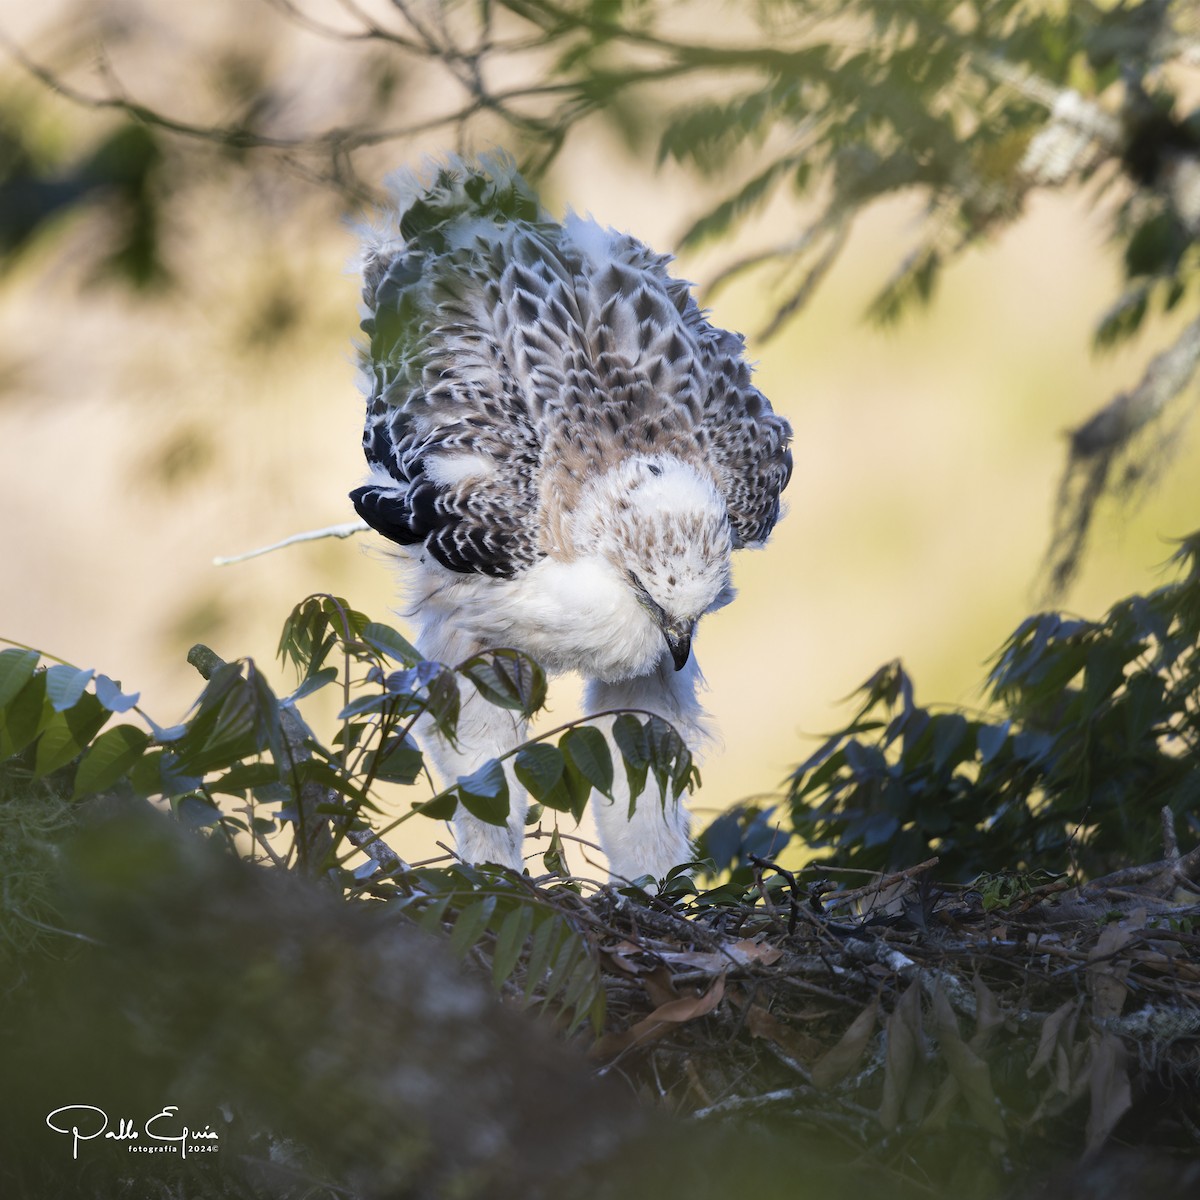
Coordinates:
503	345
445	387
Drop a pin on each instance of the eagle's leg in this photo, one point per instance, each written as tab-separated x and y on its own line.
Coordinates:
484	731
655	838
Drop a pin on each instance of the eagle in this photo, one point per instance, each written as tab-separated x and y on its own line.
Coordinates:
567	453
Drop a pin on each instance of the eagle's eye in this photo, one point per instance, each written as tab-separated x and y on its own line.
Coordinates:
646	600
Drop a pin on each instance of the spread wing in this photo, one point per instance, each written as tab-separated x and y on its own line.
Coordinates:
510	357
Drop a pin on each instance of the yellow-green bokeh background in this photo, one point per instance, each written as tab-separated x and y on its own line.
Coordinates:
139	437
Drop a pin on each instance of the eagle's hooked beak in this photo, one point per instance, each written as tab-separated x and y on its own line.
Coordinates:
679	639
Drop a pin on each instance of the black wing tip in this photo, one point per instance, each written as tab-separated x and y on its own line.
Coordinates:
449	542
384	514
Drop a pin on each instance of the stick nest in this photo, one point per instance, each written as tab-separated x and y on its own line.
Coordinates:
949	1035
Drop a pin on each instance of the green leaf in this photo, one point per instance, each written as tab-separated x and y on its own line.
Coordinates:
540	768
245	776
65	685
990	739
440	687
56	746
949	738
630	736
1155	246
388	642
670	759
507	678
397	761
112	755
545	938
587	748
484	793
575	792
559	973
313	683
555	859
268	725
196	811
433	914
597	1009
750	195
146	776
16	669
23	716
305	639
315	770
65	734
471	923
440	807
1124	318
580	987
510	941
364	705
219	731
914	282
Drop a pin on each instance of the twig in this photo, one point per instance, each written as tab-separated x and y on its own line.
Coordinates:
379	852
1095	444
766	1100
1165	874
880	884
1170	841
348	529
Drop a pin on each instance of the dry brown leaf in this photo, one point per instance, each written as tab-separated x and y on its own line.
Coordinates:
750	950
620	957
988	1015
1106	977
1111	1095
674	1012
660	986
886	900
969	1074
904	1088
704	960
743	953
798	1047
833	1066
1066	1059
1051	1028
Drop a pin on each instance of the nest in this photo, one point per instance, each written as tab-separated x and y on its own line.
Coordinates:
978	1036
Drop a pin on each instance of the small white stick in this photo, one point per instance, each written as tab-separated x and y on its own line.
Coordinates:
349	529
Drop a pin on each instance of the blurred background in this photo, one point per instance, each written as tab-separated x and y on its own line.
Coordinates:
178	312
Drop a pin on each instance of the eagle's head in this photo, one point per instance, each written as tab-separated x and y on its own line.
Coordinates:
663	527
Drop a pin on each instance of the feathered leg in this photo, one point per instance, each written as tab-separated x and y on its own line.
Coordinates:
484	731
655	838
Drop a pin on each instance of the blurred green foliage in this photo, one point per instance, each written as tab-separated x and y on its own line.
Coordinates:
118	173
1094	732
246	767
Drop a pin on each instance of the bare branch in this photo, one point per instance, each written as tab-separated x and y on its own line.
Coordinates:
838	235
1096	444
349	529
